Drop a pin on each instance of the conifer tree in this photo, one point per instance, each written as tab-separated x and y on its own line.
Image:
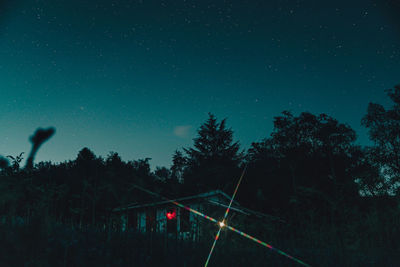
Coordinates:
213	161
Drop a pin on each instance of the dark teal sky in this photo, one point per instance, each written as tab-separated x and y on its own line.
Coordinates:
139	77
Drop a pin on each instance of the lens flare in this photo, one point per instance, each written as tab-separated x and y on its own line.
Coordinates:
266	245
213	246
221	224
219	230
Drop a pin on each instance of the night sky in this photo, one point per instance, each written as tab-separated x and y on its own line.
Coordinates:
139	77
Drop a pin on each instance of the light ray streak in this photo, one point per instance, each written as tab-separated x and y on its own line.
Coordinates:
234	193
225	225
194	211
177	204
266	245
213	246
226	215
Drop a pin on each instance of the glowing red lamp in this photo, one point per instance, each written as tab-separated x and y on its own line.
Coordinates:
171	215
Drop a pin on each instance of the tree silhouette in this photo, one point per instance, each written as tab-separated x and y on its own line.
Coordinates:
384	131
308	172
178	165
307	158
3	163
214	160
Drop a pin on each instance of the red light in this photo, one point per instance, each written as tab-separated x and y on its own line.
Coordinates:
171	215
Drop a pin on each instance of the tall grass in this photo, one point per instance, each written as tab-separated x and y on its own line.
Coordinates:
44	243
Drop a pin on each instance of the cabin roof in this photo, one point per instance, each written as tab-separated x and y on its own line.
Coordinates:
203	196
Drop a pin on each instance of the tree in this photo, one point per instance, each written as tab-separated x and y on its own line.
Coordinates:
214	160
370	178
87	184
3	163
306	162
384	130
162	173
178	165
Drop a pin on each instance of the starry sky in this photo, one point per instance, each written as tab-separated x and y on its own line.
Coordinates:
139	77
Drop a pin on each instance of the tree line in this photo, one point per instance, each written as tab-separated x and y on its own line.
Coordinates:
308	161
308	171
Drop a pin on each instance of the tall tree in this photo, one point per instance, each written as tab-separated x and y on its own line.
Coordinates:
86	184
214	159
306	159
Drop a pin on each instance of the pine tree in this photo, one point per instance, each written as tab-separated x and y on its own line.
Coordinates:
214	160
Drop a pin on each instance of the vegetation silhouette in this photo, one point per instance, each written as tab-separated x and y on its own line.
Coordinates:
384	131
3	163
214	160
309	172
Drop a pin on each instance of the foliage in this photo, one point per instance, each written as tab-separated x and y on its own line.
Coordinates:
384	130
308	162
309	172
213	161
16	161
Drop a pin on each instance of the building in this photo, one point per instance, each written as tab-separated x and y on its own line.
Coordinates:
165	217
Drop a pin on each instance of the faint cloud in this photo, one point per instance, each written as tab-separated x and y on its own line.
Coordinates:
182	131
